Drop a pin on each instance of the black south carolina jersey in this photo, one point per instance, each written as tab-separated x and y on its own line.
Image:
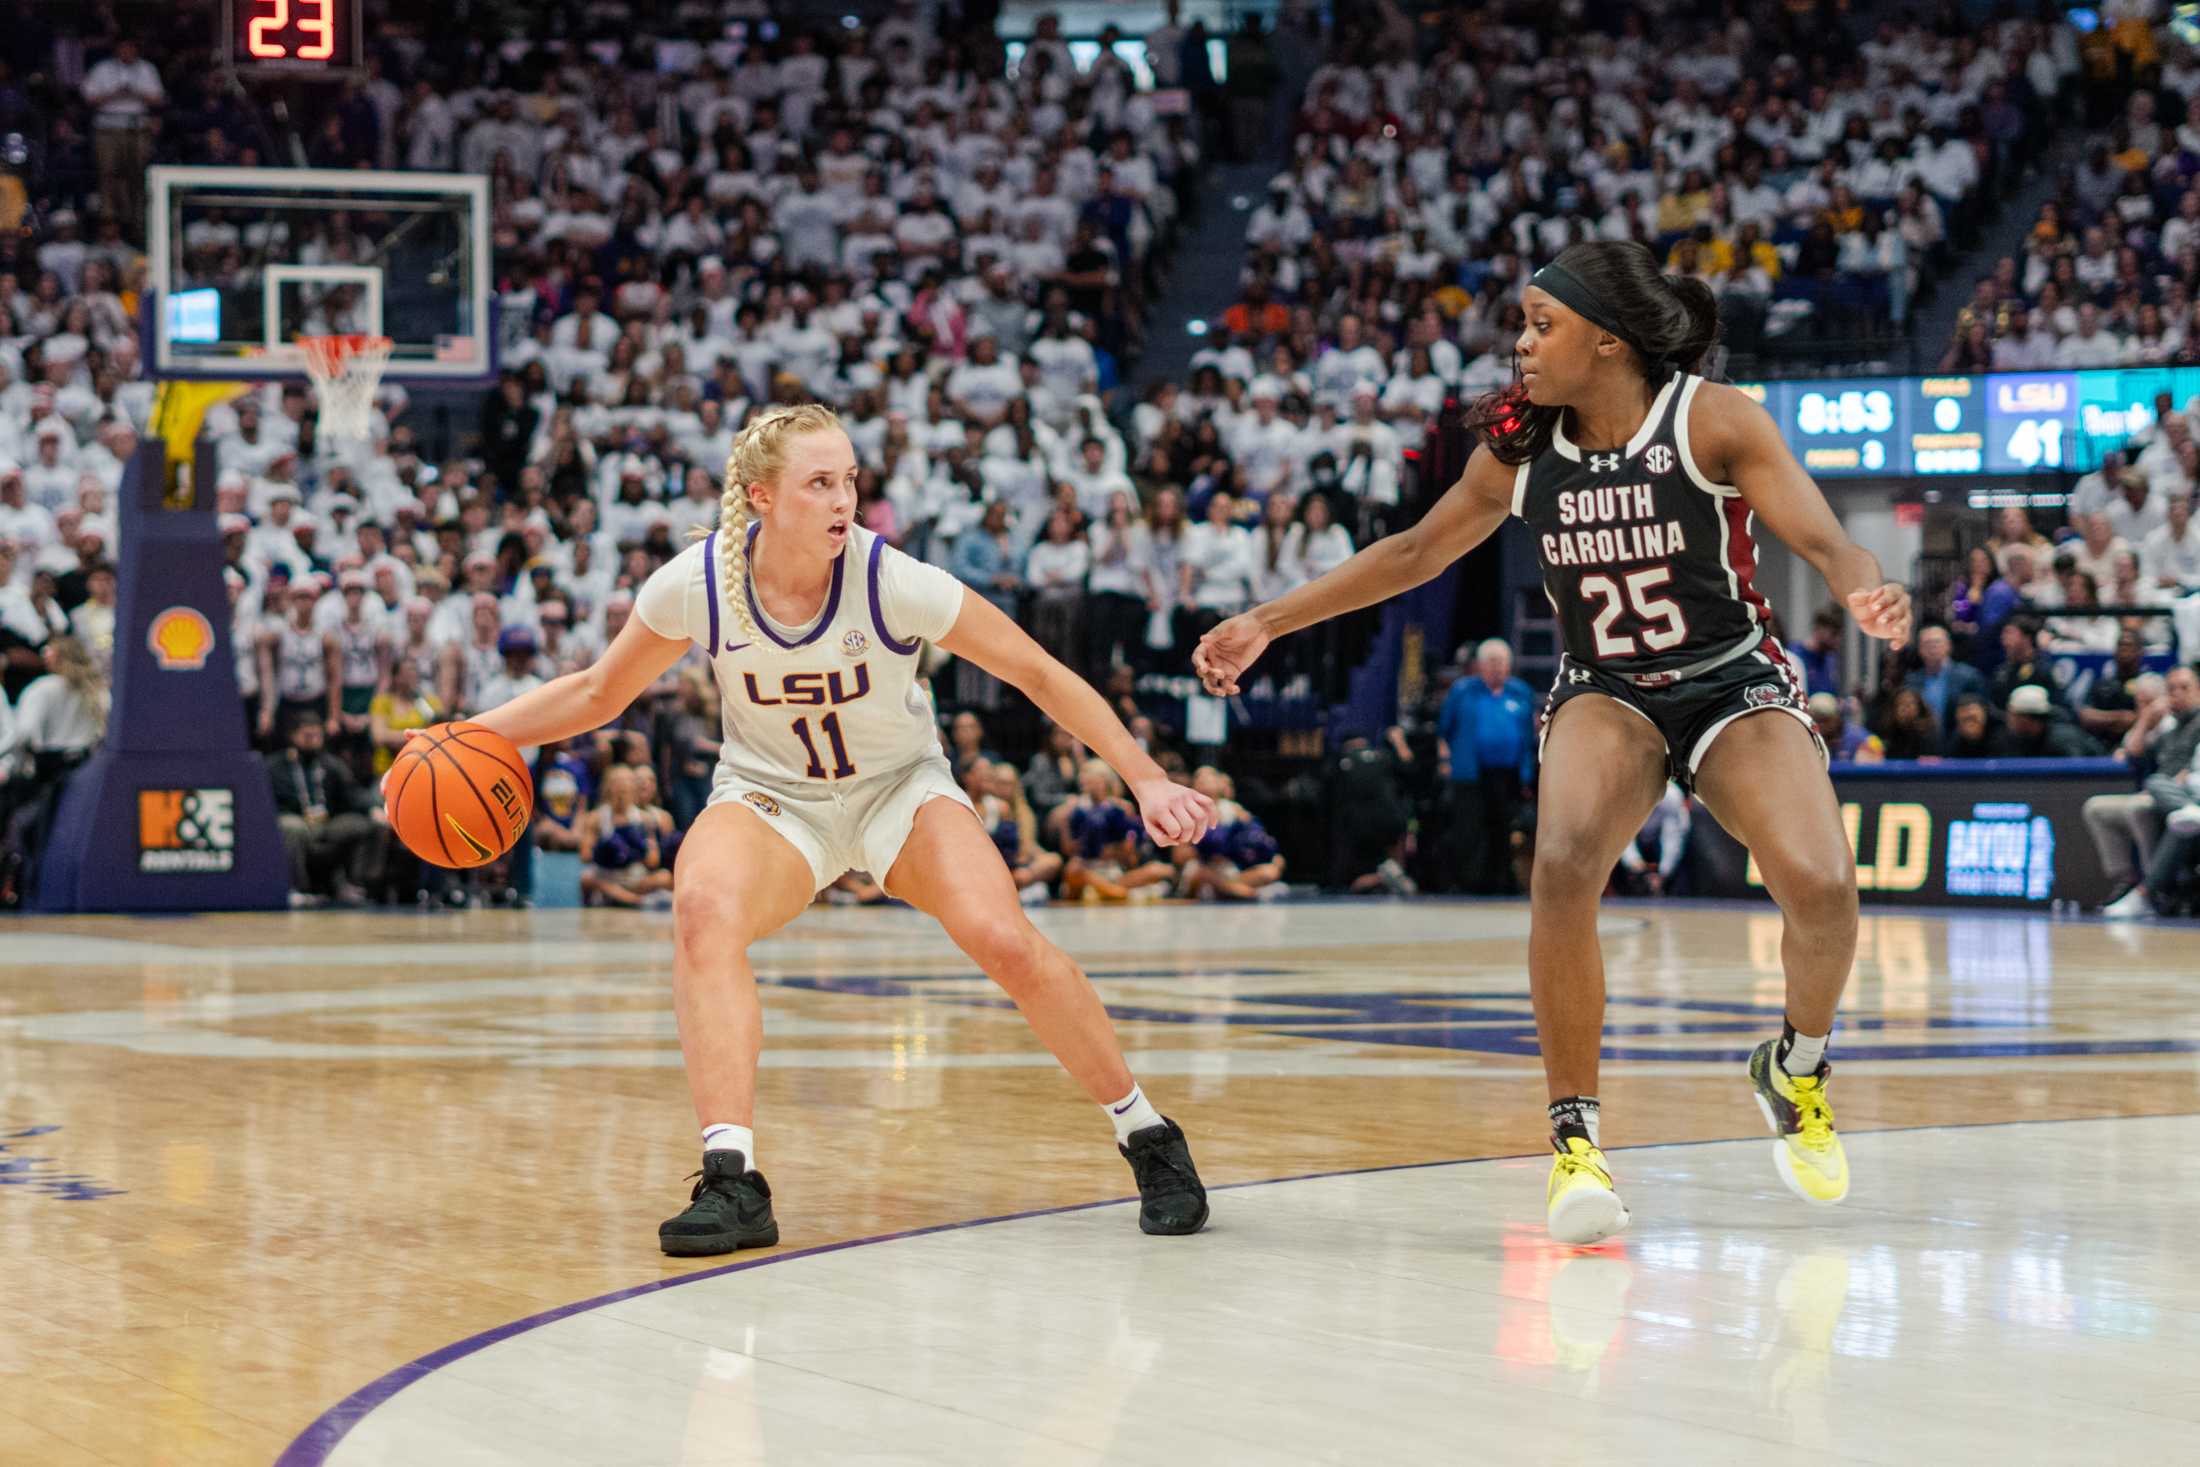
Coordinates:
1646	562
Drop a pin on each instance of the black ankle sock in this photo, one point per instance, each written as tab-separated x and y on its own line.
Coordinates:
1576	1115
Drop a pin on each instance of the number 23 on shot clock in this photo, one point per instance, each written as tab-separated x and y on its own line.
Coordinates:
302	39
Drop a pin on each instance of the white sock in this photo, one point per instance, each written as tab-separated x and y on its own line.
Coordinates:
1803	1053
1134	1112
723	1137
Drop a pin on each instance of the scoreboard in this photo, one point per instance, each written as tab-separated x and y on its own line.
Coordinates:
1992	423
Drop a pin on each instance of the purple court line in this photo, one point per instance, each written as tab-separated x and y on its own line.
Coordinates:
312	1447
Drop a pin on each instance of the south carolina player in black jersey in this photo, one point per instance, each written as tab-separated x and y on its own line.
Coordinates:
1639	481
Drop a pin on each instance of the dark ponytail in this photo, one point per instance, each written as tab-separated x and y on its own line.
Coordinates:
1670	321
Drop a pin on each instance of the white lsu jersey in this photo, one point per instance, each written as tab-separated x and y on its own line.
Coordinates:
835	701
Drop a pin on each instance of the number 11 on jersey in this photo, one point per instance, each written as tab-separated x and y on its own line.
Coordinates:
830	724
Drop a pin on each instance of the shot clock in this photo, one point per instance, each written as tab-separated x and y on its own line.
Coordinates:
300	39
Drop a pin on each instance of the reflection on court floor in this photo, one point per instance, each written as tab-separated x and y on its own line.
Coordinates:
253	1169
1380	1317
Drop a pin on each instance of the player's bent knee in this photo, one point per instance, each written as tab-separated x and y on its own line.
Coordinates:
1009	949
1820	893
1569	863
710	917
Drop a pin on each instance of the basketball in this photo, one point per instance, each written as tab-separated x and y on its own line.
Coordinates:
459	795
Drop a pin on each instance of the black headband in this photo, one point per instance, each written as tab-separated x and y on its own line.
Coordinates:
1561	284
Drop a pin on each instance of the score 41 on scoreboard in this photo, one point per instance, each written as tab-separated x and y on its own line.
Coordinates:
302	39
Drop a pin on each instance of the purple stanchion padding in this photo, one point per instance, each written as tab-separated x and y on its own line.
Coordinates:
174	812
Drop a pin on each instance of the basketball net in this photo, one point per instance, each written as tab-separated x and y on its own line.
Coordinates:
345	371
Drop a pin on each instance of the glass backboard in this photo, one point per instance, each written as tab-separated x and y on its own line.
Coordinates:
247	260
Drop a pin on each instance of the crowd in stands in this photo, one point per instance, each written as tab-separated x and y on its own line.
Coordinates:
960	256
2108	274
1801	162
955	255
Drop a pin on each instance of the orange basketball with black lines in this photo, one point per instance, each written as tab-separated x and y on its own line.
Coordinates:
459	795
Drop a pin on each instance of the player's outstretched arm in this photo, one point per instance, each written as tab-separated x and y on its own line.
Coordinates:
985	635
571	705
1468	513
1735	441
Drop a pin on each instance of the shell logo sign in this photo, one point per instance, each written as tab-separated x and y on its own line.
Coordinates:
181	639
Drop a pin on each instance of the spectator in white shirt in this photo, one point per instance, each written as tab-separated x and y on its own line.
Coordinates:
1263	445
1055	570
2137	511
1215	568
698	507
2024	344
49	479
980	389
429	129
2096	552
1318	543
1276	570
28	525
2170	557
126	93
1281	219
2183	231
2092	344
585	328
2162	460
502	131
1350	363
1121	582
1094	479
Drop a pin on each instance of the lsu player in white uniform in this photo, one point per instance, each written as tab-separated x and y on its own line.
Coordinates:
832	762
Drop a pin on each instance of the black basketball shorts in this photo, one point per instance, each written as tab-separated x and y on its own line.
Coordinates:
1692	712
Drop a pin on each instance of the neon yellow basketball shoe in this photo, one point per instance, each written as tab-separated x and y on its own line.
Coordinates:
1583	1208
1805	1151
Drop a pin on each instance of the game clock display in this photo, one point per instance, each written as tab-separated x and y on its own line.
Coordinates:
298	38
1846	427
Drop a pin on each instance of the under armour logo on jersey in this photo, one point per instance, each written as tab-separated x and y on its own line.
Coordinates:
1659	459
1603	463
1577	674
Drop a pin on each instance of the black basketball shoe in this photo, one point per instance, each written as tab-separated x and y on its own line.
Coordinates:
731	1208
1171	1200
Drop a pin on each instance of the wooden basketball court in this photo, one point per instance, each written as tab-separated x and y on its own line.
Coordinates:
355	1188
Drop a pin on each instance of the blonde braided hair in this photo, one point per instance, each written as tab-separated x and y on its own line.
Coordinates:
759	456
74	666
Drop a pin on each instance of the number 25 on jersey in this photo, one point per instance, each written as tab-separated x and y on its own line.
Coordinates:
1663	625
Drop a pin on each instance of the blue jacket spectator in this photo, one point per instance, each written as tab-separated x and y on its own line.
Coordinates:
1820	653
1941	681
987	560
1485	727
1486	749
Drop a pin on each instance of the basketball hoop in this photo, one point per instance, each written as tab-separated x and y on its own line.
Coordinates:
345	371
